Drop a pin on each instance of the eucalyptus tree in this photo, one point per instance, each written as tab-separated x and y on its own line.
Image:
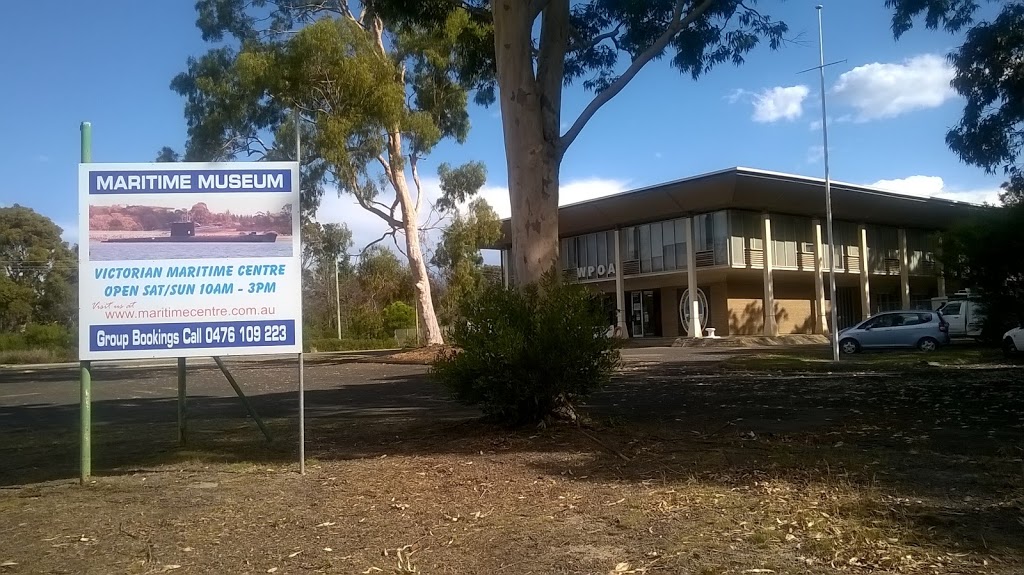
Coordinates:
373	96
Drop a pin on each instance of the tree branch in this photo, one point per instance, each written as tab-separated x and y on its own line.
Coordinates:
387	169
389	220
602	37
378	34
347	12
416	180
394	237
376	241
677	25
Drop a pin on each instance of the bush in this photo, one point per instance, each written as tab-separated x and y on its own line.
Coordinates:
51	335
398	315
347	344
366	322
526	355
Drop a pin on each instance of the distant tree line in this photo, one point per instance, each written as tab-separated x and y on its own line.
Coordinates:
132	218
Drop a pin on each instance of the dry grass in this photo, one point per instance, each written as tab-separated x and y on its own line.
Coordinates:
743	473
33	356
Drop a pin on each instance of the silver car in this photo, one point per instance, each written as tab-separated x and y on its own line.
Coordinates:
923	330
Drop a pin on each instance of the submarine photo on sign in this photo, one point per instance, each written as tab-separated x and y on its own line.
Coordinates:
177	226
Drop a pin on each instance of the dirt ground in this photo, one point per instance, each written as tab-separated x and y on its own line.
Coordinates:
718	467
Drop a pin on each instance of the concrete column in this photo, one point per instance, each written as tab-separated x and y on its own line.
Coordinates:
904	270
941	273
693	330
820	323
865	282
620	291
770	326
505	267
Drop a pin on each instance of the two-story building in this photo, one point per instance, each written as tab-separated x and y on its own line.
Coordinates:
746	241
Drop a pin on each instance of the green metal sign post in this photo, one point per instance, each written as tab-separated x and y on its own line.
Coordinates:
181	401
85	382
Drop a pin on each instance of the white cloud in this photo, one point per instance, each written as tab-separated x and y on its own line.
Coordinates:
935	187
568	193
774	104
879	90
367	227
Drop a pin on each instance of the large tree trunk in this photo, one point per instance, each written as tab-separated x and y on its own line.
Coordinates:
530	113
411	226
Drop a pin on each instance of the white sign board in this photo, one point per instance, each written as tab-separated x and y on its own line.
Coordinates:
189	259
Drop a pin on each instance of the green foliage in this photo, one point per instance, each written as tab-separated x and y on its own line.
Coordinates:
459	184
989	69
37	343
458	254
601	33
37	271
524	355
383	277
324	245
398	315
984	255
47	335
349	344
366	321
350	87
369	96
167	154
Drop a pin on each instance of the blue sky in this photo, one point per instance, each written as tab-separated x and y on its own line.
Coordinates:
110	62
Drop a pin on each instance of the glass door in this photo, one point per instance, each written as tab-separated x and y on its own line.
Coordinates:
643	313
636	314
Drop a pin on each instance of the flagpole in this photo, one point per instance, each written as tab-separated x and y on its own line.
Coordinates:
834	331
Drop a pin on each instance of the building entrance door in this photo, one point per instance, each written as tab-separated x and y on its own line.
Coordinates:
643	313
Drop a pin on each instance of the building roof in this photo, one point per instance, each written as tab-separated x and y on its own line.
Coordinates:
758	190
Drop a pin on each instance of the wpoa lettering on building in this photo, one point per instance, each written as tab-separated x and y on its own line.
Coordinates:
600	271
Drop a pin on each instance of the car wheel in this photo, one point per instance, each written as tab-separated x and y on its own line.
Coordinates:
928	344
849	346
1009	348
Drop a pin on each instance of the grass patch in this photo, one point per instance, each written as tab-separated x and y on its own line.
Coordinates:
820	360
350	344
33	356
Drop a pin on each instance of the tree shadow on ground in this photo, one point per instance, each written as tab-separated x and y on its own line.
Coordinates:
948	439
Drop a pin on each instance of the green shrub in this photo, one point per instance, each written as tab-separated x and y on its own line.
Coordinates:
398	315
12	341
526	355
365	322
47	335
347	344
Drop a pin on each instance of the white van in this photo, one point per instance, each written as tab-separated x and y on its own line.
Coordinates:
963	314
